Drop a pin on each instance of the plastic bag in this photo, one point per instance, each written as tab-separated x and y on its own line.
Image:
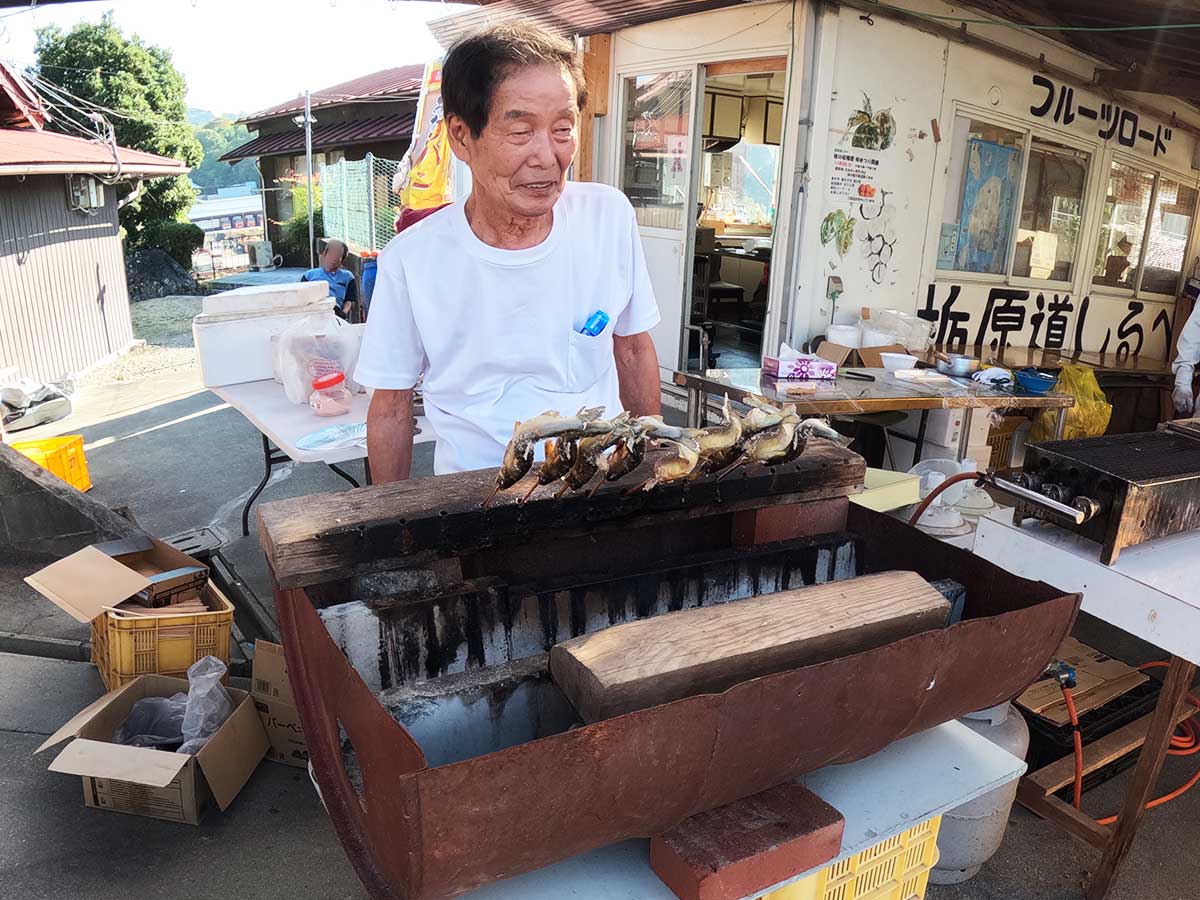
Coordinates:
208	703
186	719
314	346
153	722
1087	418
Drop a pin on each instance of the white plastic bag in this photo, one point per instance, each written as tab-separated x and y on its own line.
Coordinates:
314	346
208	703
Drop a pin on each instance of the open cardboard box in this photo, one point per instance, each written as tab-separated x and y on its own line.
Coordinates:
160	784
1098	679
272	693
88	582
867	357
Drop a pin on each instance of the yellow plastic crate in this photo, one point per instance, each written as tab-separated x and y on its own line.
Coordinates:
894	869
124	647
63	456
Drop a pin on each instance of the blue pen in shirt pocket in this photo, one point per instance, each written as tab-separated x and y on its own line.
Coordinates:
595	323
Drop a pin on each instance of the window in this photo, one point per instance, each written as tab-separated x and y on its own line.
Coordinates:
739	184
1051	212
978	217
655	163
1144	231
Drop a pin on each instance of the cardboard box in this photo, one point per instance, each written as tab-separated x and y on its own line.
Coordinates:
1099	678
161	784
84	584
866	357
272	693
807	367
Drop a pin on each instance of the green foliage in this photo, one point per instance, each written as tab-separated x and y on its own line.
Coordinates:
179	239
293	235
216	138
98	63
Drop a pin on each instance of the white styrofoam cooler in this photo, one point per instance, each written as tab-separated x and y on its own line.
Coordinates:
235	346
265	297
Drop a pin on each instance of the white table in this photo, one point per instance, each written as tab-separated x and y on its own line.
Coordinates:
283	423
904	784
1152	592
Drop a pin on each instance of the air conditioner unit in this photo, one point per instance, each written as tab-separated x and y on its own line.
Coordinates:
261	257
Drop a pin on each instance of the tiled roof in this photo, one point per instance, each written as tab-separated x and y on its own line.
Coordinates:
398	83
327	137
28	152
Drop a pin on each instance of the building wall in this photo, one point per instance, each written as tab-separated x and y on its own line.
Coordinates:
64	303
890	253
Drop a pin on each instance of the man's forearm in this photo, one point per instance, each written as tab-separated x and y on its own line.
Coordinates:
637	374
390	436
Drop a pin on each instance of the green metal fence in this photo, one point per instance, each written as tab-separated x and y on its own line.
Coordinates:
358	203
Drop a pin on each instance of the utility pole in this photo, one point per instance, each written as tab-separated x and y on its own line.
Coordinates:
312	238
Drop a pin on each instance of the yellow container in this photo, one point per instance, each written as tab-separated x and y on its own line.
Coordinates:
63	456
894	869
124	647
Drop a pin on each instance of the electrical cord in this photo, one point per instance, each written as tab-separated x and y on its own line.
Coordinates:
1185	742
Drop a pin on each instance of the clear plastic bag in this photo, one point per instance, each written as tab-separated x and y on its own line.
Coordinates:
315	346
186	719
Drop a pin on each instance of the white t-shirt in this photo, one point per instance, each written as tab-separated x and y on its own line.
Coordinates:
496	332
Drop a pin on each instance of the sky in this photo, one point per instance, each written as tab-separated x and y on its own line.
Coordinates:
239	56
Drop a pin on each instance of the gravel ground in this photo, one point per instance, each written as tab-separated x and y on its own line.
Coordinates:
165	324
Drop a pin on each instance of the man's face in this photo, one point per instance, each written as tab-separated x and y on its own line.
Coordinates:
331	258
519	162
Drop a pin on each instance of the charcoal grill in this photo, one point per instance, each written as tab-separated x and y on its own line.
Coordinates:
1125	489
416	627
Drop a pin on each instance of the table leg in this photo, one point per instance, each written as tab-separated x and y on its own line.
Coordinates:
350	478
694	401
367	470
1158	738
920	444
964	437
268	463
1060	422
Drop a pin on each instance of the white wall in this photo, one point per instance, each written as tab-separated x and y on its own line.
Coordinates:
918	77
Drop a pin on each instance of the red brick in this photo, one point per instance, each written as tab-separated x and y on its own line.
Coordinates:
784	523
746	846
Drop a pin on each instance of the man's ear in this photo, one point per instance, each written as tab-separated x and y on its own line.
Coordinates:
460	137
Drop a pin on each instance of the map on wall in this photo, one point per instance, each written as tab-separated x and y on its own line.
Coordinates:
988	197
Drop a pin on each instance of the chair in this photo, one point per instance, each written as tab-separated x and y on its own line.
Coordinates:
723	290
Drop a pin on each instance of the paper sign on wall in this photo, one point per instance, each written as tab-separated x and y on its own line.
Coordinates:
855	176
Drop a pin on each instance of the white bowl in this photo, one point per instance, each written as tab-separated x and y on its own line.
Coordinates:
894	361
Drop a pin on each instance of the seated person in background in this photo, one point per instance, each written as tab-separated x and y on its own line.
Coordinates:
342	286
1117	263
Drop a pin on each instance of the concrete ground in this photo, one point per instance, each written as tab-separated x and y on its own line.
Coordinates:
179	458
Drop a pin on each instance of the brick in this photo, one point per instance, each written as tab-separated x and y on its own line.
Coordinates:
784	523
749	845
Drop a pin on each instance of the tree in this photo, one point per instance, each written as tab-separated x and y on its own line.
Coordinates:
145	94
216	138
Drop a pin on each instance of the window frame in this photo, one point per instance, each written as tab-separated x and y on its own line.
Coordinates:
1137	292
1029	132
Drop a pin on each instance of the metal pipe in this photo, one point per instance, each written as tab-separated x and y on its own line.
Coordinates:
1077	516
312	240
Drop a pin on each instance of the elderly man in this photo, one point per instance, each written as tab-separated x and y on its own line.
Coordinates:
488	301
1186	359
342	286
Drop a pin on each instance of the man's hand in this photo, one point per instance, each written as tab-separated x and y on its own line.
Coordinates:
1184	399
390	436
637	374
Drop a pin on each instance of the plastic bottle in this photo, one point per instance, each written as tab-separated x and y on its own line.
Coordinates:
330	396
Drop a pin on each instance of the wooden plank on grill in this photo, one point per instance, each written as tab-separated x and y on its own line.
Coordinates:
709	649
315	539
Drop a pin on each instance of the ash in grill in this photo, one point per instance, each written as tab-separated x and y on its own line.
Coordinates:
1130	488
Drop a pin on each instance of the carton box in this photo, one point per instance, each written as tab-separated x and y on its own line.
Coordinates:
276	706
867	357
1099	679
161	784
807	367
88	582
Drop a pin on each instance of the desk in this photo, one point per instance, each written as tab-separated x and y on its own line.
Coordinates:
850	396
1149	592
283	423
904	784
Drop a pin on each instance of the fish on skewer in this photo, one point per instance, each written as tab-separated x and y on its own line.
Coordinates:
561	453
804	431
721	444
680	467
626	456
588	451
518	455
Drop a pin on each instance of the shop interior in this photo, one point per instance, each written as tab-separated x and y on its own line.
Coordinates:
741	123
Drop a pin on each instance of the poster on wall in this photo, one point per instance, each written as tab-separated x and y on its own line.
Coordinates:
988	197
854	175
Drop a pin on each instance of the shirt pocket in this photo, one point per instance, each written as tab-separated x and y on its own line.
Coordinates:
588	358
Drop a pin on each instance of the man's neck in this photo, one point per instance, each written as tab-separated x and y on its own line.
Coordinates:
499	228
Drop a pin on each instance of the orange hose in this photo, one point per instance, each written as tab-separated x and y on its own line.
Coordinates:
1185	742
953	479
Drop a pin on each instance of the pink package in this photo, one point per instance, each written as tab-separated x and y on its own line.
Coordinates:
805	367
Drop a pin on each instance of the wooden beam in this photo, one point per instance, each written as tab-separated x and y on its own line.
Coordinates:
709	649
1063	815
596	64
747	66
1174	692
1149	81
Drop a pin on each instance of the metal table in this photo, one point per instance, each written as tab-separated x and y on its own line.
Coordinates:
1150	592
283	423
853	396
